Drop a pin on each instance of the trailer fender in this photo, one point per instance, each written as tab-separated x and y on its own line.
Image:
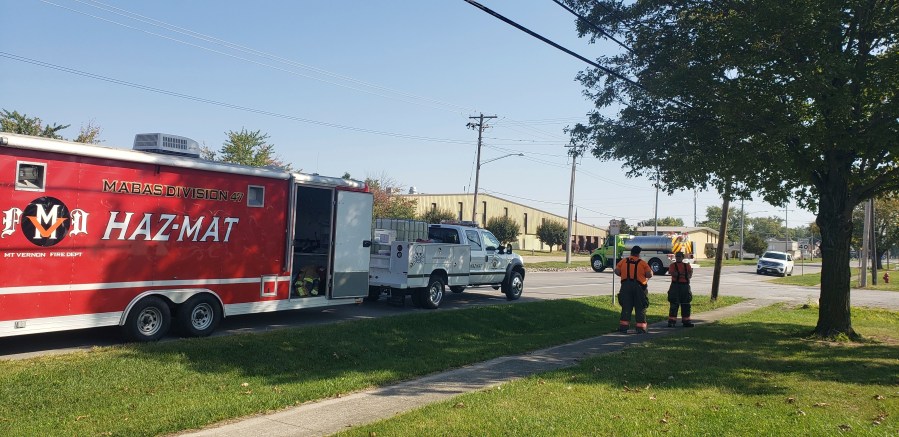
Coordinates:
175	296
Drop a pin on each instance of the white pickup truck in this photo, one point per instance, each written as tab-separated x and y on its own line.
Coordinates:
457	256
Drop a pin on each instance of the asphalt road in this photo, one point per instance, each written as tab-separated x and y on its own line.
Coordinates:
735	281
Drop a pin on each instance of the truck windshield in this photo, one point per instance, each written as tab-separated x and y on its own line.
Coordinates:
490	240
774	255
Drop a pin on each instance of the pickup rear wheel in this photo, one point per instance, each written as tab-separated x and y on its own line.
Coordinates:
597	264
148	320
513	286
374	293
431	297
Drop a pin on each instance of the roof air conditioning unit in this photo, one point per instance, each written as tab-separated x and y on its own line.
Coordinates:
167	145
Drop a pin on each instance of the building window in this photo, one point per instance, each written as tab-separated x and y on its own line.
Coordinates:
31	176
433	207
506	212
255	196
460	211
525	223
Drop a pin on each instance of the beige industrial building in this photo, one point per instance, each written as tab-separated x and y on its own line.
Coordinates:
584	236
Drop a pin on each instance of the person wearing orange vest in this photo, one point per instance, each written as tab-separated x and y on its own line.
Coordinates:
679	294
634	296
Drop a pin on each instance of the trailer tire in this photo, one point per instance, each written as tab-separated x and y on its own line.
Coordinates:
597	263
457	288
433	295
199	316
657	267
513	286
149	320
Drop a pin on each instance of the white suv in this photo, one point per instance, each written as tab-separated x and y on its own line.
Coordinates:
779	263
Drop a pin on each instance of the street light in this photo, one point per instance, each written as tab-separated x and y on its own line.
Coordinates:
477	176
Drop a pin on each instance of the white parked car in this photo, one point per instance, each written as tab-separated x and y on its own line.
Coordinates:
779	263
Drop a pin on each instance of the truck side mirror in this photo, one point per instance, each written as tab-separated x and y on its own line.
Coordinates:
509	248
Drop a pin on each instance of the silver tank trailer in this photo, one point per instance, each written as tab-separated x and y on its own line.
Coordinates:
659	243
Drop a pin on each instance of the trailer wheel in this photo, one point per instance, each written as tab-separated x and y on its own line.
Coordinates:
657	267
597	264
457	288
149	320
433	295
199	316
514	286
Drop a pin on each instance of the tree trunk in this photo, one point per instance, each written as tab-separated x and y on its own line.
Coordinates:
719	252
835	221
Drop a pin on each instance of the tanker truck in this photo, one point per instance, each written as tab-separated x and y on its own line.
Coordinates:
657	250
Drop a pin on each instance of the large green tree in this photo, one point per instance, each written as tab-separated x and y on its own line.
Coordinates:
16	123
664	221
386	202
504	228
552	233
248	148
790	99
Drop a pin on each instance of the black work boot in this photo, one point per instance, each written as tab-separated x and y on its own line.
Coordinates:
641	331
622	329
671	323
688	324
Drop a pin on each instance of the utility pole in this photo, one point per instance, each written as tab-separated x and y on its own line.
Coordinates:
863	255
477	173
742	217
655	229
574	152
694	207
874	256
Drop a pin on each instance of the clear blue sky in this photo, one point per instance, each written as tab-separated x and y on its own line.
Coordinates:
413	71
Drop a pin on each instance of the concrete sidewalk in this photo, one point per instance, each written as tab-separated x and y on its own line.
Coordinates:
334	415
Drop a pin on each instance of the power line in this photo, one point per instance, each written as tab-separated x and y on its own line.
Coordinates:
594	26
550	42
224	104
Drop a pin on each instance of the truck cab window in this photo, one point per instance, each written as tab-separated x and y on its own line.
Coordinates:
491	241
473	240
31	176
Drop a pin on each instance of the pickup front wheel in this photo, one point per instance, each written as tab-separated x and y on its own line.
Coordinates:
513	286
432	296
597	264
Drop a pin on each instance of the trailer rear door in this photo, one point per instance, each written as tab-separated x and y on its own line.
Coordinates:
352	240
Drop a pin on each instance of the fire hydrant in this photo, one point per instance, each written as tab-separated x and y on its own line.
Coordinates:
886	277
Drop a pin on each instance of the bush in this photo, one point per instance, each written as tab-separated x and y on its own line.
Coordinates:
504	228
437	215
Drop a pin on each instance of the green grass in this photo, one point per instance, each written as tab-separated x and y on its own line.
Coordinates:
528	252
550	265
755	374
814	279
149	389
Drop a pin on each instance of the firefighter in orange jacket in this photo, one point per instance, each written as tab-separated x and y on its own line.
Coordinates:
634	273
679	294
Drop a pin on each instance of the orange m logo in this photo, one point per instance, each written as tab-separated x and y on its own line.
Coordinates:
46	233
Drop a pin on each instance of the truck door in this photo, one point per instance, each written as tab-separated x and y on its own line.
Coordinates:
479	258
352	239
495	267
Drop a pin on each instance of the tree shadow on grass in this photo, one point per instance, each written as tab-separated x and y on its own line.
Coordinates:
745	358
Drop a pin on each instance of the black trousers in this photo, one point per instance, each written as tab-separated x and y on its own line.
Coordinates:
679	296
633	297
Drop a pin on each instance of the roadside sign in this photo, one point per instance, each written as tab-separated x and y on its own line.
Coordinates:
614	227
